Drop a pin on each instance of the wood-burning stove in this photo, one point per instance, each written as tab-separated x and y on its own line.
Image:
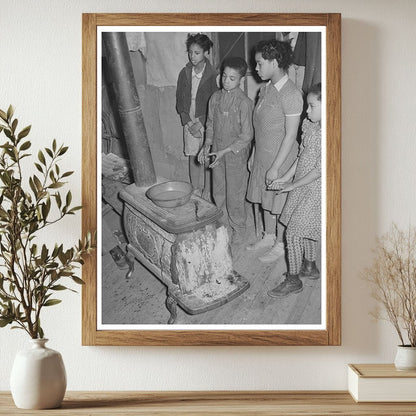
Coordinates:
185	247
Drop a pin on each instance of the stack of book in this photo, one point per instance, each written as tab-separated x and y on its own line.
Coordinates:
381	383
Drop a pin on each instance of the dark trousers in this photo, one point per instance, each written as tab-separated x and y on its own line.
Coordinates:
229	186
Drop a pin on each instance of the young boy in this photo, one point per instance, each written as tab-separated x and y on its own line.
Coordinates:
229	132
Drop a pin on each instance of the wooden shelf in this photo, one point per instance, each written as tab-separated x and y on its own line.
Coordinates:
221	403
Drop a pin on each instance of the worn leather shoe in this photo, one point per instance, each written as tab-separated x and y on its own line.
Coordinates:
309	270
291	284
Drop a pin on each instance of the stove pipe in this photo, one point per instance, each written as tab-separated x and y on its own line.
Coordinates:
129	108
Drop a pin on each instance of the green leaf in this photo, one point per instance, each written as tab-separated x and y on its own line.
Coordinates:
77	208
58	199
63	150
45	211
68	199
40	331
14	125
78	280
59	287
25	145
56	185
8	133
3	115
33	187
44	253
37	183
41	157
67	174
49	152
54	145
39	167
60	249
34	226
10	112
62	257
5	321
51	302
24	132
34	249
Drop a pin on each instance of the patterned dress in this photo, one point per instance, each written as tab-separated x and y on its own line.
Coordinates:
269	122
302	211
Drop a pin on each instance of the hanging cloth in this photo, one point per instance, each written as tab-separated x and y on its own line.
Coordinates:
307	53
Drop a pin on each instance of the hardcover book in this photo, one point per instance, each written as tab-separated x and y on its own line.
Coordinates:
381	383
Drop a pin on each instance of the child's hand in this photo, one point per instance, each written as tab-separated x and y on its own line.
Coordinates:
271	175
280	186
203	154
195	129
217	156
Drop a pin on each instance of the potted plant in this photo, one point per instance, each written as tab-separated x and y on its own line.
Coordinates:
31	272
393	277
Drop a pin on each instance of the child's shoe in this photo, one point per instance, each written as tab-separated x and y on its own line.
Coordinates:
274	253
266	242
309	270
291	284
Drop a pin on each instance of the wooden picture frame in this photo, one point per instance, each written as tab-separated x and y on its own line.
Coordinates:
331	334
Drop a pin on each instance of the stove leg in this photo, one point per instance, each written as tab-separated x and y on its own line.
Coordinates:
130	262
171	305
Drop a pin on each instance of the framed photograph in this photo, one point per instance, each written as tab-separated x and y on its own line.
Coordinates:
211	172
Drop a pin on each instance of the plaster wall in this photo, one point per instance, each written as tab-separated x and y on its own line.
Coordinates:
40	74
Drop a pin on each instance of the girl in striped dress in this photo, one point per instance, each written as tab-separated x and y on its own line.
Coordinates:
276	120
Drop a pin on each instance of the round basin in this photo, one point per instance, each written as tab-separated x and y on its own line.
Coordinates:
170	194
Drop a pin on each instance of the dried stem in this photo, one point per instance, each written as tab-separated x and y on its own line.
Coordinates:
393	276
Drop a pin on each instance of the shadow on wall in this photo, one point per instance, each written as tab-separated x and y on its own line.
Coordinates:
361	86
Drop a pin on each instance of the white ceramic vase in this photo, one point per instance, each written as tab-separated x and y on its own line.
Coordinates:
38	377
405	358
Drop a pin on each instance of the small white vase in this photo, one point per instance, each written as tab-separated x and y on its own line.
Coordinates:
38	377
405	358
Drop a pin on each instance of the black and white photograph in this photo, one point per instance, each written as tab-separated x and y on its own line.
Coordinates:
212	172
